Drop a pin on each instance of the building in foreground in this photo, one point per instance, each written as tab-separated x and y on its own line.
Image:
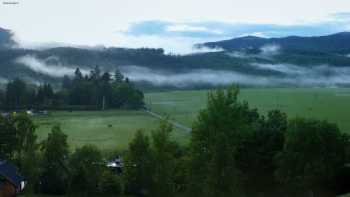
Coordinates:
11	183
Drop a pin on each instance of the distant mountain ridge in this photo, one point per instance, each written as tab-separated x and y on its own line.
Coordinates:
6	38
252	61
334	43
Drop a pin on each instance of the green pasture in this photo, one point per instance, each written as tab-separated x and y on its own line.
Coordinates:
106	129
319	103
114	129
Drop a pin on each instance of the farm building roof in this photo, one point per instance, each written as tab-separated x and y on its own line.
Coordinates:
9	172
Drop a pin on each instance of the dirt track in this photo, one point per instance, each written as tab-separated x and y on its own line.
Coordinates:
175	124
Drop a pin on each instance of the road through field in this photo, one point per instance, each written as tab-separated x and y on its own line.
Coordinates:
175	124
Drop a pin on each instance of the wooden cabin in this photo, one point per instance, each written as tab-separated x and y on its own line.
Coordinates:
7	189
11	183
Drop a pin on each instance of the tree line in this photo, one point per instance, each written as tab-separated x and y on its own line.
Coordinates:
95	90
233	151
158	60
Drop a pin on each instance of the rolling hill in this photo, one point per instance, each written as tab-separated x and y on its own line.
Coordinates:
6	38
335	43
248	61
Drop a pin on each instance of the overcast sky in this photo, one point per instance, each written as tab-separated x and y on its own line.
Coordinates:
174	25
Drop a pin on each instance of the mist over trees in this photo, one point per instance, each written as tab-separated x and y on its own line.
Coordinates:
330	53
101	90
94	91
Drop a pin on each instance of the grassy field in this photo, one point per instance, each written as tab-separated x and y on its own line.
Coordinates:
92	127
325	104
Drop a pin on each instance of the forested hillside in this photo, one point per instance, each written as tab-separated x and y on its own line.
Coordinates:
274	62
336	43
6	38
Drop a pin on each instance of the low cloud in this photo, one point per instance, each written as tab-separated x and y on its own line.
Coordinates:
204	50
50	45
188	28
50	66
319	75
239	54
171	45
162	34
256	34
288	69
270	50
292	75
266	52
3	80
187	79
219	30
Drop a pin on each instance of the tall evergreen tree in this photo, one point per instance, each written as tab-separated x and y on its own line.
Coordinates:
78	75
118	76
16	94
66	82
95	74
106	77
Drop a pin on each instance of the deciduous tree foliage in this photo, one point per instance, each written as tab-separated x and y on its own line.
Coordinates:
163	149
17	136
313	154
111	184
8	139
256	154
54	175
86	166
18	143
234	151
139	166
216	136
151	167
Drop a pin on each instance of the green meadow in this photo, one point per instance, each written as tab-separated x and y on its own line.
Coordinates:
108	130
113	129
319	103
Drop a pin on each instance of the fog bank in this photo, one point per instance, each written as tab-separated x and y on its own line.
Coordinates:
291	75
282	75
266	52
3	80
47	68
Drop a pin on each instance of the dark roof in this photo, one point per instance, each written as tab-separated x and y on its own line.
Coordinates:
9	172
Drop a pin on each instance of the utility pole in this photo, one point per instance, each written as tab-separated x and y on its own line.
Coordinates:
103	103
